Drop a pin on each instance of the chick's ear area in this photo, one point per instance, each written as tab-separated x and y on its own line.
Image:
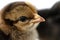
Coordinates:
3	28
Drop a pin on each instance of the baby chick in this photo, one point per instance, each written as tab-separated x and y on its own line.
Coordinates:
19	20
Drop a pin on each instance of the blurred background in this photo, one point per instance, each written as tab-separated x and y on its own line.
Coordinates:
40	4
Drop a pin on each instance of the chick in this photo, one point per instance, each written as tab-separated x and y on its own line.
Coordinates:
19	20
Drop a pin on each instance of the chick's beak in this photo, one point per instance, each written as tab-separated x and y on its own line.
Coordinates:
41	19
38	19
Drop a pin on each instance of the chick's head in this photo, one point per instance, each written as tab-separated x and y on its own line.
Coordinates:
23	16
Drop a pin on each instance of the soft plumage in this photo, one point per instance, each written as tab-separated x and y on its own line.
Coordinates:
19	20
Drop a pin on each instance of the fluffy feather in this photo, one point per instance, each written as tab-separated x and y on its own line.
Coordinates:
19	20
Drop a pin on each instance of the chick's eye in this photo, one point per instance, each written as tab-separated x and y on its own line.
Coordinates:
23	18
